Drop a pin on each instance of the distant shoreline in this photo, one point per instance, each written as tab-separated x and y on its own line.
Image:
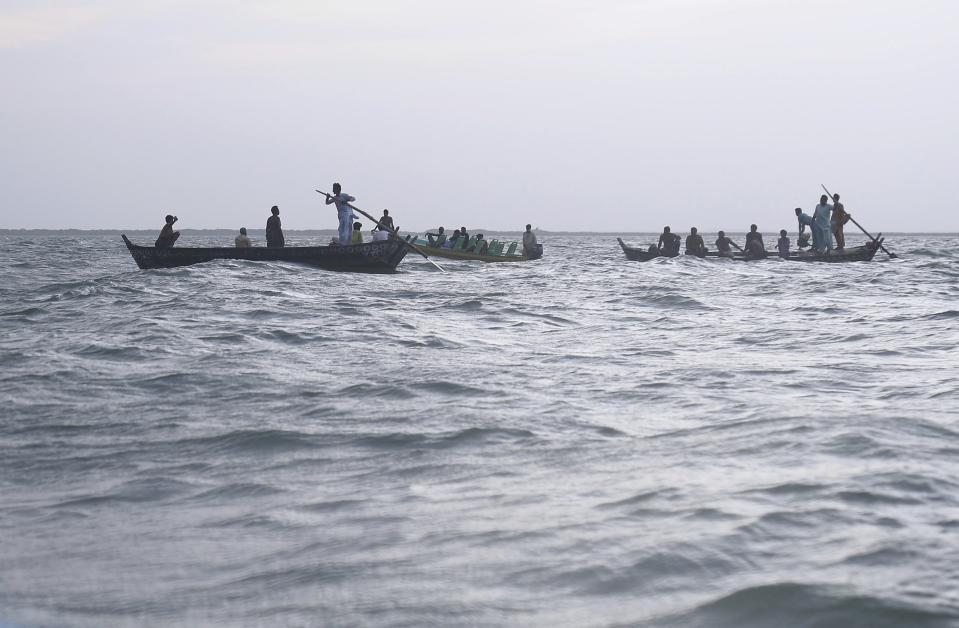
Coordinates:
319	232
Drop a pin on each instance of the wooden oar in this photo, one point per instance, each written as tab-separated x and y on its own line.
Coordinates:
393	231
853	221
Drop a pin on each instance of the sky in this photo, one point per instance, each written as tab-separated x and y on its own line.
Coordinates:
575	115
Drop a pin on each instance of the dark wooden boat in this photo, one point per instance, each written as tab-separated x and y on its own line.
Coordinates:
500	252
862	253
369	257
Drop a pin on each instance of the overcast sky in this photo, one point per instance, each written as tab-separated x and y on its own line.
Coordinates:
570	114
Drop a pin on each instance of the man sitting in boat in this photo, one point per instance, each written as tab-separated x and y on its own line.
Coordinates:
453	240
723	245
481	245
274	231
357	237
694	243
437	239
167	235
529	242
668	242
782	244
386	222
755	247
242	241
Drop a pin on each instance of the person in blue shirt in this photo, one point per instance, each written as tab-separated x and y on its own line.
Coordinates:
805	220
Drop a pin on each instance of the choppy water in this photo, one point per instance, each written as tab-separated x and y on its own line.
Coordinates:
578	441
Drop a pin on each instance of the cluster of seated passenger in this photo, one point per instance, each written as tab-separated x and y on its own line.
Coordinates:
461	240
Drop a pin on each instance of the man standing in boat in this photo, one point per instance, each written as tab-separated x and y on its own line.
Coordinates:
822	224
343	212
274	231
839	218
529	242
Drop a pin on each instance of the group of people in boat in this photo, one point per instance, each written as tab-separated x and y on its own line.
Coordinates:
826	223
477	244
349	231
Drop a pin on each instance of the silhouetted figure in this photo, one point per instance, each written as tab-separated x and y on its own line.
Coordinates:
386	222
529	242
274	231
167	235
242	241
755	248
694	244
839	218
723	245
668	242
783	243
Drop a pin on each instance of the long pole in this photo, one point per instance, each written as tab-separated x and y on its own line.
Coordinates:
394	232
853	221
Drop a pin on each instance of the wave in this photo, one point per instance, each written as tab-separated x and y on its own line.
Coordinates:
806	606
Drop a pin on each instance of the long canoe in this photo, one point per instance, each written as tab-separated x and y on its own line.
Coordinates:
370	257
862	253
439	251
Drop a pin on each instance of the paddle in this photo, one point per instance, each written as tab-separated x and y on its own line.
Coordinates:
853	221
395	233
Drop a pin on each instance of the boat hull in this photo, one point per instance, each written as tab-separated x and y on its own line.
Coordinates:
855	254
371	257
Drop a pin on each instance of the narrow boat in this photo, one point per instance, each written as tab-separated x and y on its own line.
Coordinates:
501	252
862	253
370	257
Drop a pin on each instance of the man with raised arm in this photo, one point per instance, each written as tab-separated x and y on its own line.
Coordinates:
343	212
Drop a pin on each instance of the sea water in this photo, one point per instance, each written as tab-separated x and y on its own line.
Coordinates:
576	441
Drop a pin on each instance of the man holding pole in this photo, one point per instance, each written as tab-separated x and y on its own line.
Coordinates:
839	218
343	212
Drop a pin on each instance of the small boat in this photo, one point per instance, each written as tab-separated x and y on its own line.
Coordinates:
498	253
862	253
370	257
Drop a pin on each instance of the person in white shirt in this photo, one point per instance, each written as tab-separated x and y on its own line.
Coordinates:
529	241
343	212
243	241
